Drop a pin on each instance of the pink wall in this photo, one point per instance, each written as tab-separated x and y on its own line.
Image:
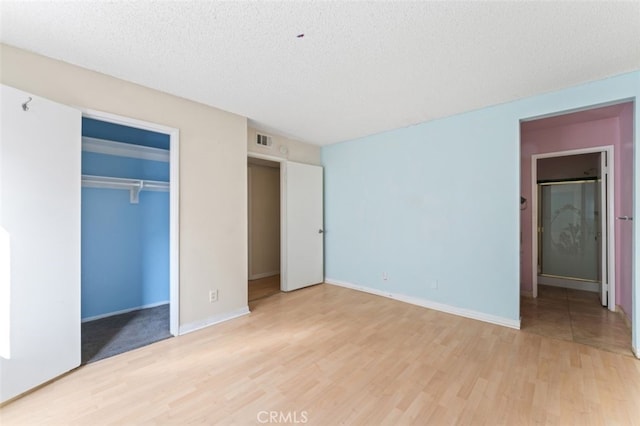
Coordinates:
603	126
624	207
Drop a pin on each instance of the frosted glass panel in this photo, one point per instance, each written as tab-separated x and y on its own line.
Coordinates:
569	223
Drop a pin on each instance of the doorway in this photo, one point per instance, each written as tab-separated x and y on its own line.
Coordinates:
574	196
587	158
125	238
129	248
41	199
301	233
263	203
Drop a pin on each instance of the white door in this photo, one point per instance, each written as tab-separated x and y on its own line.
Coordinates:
40	212
602	232
302	226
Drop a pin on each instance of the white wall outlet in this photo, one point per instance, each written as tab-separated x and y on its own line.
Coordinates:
434	284
385	276
213	296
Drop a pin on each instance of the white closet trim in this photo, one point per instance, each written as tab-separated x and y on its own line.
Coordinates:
132	185
104	146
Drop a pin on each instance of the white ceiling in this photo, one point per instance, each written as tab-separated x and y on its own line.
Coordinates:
361	67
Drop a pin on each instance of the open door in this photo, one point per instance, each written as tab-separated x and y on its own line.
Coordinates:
40	213
302	228
603	239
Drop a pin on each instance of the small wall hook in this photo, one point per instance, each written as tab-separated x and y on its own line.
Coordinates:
25	106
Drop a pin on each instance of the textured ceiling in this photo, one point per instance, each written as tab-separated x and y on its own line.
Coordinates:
361	67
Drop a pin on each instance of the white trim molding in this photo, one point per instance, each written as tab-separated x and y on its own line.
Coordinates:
174	202
124	311
466	313
263	275
120	149
216	319
610	223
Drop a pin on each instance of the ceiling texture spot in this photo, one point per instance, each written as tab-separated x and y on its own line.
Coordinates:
369	67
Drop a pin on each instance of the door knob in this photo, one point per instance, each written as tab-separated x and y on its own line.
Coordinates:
320	231
624	218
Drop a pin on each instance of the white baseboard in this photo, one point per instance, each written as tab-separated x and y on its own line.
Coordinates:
216	319
567	283
124	311
636	352
263	275
467	313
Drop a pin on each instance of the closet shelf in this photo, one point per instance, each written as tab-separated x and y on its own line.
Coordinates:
134	186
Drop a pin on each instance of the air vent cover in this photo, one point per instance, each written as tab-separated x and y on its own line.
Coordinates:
264	140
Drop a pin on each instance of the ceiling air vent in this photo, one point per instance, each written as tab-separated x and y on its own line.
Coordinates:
264	140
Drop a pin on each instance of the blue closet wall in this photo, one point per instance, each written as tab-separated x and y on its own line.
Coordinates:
125	247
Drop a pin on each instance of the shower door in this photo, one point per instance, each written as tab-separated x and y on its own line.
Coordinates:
570	230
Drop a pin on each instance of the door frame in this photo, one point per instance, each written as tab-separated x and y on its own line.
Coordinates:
610	223
174	202
283	214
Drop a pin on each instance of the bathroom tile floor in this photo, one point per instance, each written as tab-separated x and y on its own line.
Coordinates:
575	316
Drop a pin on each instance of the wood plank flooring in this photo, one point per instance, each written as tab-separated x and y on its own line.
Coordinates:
264	287
336	356
575	316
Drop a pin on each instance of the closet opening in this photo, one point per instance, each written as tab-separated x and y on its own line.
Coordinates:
264	200
126	238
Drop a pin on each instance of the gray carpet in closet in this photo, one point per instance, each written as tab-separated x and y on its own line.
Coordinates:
116	334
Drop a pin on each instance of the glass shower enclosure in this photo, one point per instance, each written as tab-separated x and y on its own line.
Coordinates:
569	230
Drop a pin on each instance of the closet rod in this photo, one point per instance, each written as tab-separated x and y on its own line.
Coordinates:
134	186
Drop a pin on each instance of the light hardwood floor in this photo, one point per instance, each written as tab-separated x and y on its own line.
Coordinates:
337	356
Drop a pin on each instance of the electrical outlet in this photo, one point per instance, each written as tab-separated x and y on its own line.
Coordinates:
385	276
213	296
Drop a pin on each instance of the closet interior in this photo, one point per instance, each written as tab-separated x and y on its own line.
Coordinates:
125	238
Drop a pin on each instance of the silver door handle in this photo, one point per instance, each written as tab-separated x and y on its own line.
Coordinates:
320	231
624	218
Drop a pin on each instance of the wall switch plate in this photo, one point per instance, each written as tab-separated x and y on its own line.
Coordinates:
213	296
434	284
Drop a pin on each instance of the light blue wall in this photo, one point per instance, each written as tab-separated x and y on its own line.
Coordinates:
125	247
440	201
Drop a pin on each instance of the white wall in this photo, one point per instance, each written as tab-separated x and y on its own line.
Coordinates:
213	182
264	221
